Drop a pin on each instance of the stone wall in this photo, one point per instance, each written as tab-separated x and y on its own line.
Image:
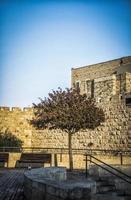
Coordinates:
105	87
109	83
110	135
15	120
49	139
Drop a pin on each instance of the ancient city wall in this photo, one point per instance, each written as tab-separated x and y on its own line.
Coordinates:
15	120
110	135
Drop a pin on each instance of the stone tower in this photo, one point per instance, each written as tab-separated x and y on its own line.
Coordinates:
110	84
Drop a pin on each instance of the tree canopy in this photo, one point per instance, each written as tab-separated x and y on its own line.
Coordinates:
67	110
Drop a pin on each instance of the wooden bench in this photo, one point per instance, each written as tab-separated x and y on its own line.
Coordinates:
4	158
30	158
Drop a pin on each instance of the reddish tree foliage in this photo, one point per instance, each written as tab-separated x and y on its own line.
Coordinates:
69	111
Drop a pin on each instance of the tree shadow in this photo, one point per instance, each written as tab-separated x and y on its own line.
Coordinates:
7	139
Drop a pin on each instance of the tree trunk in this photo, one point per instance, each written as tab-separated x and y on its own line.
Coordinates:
70	151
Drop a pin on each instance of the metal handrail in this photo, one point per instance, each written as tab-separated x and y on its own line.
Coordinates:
111	172
120	173
62	150
110	166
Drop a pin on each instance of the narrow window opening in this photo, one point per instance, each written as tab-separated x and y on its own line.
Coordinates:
128	101
92	89
77	86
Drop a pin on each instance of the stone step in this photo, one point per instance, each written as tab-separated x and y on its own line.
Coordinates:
102	182
123	197
107	196
111	189
124	191
104	187
110	196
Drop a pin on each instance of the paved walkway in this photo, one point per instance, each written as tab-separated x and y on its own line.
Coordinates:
11	184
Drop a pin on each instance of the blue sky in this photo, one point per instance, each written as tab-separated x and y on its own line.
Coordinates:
42	40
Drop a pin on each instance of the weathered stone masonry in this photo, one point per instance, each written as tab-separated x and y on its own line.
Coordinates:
110	84
15	120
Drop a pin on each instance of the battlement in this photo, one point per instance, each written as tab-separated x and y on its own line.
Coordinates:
15	109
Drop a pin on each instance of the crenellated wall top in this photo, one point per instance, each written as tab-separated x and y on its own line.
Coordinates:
19	109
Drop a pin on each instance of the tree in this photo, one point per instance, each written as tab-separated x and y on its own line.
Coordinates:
7	139
69	111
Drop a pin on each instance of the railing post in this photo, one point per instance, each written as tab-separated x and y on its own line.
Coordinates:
61	155
86	165
121	158
90	158
55	160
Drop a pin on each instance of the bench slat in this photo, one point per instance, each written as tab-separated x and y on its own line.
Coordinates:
35	158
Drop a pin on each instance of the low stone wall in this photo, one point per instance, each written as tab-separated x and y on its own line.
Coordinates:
41	184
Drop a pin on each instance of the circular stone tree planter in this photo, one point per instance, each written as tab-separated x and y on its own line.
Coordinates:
51	183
